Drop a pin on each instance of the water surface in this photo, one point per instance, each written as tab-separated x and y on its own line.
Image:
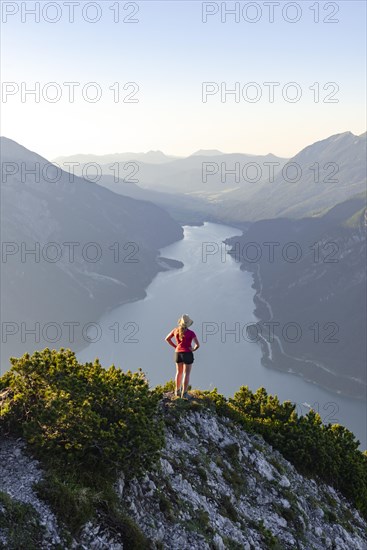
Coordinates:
218	296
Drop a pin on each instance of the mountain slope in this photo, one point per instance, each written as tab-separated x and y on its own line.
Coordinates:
324	173
94	249
318	177
316	280
184	208
215	487
130	466
187	175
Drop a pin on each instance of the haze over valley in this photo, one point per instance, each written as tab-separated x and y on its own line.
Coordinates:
183	275
322	281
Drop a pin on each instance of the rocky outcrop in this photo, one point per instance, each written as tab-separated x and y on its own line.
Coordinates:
215	487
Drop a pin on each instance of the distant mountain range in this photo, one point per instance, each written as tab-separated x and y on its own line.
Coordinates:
191	175
180	185
207	153
329	171
151	157
315	200
314	180
80	218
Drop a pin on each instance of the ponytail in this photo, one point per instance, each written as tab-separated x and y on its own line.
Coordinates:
181	331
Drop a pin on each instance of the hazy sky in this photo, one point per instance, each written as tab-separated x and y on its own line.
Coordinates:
169	53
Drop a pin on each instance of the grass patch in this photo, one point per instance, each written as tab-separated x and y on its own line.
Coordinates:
271	541
232	450
121	524
329	499
165	506
75	499
227	509
277	465
232	544
236	480
21	525
197	462
200	523
202	473
330	516
73	503
292	516
347	517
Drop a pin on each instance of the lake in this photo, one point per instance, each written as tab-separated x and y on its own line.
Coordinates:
218	296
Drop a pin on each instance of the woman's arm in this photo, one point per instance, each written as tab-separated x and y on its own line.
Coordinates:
168	339
197	345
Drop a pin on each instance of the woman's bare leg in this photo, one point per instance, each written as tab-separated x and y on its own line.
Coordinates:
179	370
186	376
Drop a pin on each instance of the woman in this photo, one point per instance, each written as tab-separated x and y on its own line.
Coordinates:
184	356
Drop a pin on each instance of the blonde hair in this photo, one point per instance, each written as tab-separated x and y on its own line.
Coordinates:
181	330
184	323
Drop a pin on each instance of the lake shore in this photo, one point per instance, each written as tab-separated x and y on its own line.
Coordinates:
277	358
219	297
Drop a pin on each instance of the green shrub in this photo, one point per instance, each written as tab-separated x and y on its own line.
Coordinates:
20	524
328	451
73	502
227	509
271	541
132	536
168	386
83	414
86	424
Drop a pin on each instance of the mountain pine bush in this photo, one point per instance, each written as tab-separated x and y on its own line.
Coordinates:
103	421
82	414
329	451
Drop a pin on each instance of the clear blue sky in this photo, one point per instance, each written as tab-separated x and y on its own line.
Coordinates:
169	53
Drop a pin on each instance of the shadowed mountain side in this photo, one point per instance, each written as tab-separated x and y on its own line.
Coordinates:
237	188
92	249
186	209
319	282
324	173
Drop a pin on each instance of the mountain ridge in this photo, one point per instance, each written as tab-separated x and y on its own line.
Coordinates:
204	472
328	171
76	215
314	289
